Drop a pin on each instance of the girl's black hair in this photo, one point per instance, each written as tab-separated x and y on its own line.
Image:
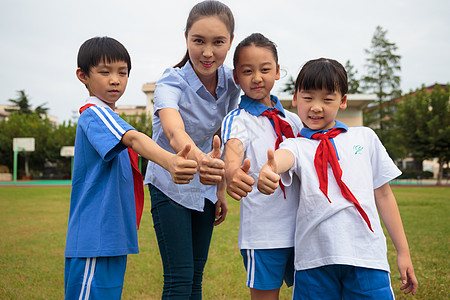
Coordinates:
98	49
207	9
322	73
257	40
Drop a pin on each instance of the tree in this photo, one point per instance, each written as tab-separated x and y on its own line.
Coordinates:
24	122
423	124
353	82
24	106
382	67
24	125
48	142
289	86
439	127
143	123
41	110
22	102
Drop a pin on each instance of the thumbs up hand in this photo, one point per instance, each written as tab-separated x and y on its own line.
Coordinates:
241	183
211	167
215	153
182	169
268	180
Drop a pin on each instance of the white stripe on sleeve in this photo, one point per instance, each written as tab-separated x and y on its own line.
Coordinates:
228	124
107	124
113	121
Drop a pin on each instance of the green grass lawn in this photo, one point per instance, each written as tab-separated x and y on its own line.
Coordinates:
33	224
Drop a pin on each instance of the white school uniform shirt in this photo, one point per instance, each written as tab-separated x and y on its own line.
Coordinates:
202	114
335	233
266	221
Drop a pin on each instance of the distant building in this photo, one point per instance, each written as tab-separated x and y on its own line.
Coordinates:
130	110
149	90
5	114
352	116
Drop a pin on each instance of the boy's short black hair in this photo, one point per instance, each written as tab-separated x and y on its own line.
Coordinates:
322	73
98	49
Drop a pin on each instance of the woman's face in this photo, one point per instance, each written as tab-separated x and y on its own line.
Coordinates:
208	42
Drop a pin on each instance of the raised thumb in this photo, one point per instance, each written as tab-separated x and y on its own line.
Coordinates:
271	159
216	147
246	166
184	153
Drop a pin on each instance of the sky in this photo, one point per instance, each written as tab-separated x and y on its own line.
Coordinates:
40	40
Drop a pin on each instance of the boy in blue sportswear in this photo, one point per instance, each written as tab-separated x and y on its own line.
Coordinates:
107	189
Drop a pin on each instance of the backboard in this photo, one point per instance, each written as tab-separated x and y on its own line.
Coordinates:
23	144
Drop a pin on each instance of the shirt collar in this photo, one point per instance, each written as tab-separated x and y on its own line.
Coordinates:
307	133
194	81
96	101
256	108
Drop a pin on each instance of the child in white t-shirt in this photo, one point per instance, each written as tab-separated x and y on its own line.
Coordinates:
266	234
344	175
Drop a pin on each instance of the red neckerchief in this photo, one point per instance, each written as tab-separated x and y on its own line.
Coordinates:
325	154
137	178
281	128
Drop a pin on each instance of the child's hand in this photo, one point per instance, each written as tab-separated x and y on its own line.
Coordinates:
268	180
241	183
211	167
407	274
182	169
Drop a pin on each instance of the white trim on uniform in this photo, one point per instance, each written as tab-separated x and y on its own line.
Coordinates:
107	124
113	121
86	270
89	269
251	267
227	123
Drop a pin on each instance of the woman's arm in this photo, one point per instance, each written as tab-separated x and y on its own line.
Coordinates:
211	167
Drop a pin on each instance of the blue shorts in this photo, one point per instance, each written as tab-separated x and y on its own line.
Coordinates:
97	277
267	268
342	282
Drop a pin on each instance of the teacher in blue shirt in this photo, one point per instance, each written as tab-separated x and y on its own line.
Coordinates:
191	99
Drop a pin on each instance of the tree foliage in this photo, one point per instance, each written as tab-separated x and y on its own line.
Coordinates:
23	121
289	86
141	122
22	102
382	66
423	124
48	141
353	82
